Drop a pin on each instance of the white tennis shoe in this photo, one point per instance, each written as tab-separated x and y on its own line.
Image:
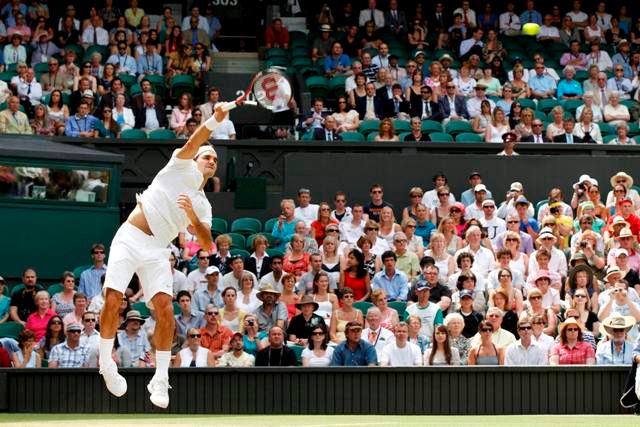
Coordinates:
116	384
159	389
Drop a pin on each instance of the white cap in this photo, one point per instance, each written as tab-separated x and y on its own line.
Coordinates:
488	202
480	187
620	251
212	270
206	148
516	186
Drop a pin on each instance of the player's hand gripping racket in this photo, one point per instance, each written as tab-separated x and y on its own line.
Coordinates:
271	90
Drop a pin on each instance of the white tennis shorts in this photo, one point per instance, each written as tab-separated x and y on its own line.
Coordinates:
133	251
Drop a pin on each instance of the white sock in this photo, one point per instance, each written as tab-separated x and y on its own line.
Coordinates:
106	347
163	359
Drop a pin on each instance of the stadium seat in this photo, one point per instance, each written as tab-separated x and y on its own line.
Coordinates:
10	329
297	350
363	306
4	106
607	139
352	136
55	288
6	76
246	226
142	308
634	129
133	134
403	135
572	105
127	79
581	76
455	127
606	129
135	90
300	52
469	137
238	241
102	50
400	307
162	134
242	252
318	86
440	137
276	52
219	226
182	83
527	103
300	63
270	239
430	126
78	270
159	84
547	105
40	68
368	126
277	62
629	103
401	126
176	308
336	86
540	115
539	205
77	49
268	225
637	139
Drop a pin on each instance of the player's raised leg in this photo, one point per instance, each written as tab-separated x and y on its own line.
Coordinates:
162	337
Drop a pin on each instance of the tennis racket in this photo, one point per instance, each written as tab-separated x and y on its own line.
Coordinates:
270	89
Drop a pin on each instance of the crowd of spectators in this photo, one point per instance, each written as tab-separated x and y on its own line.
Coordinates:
110	72
473	71
477	279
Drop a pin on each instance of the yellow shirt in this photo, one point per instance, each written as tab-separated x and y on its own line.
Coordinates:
408	264
16	124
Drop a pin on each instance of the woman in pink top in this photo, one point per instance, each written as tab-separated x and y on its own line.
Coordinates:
180	114
37	321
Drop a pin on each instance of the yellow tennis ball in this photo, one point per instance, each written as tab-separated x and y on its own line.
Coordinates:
531	29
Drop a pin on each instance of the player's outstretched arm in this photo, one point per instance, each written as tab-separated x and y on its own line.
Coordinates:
202	134
202	230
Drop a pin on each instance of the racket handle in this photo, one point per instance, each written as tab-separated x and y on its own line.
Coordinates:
229	106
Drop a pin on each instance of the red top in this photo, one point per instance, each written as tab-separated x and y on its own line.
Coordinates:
5	361
297	267
358	284
319	229
633	220
276	39
577	355
38	324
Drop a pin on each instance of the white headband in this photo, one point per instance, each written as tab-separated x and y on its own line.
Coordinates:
207	148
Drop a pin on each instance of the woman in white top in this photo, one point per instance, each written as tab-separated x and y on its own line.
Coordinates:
441	352
414	243
499	126
180	114
388	226
346	118
232	317
332	262
248	300
327	302
586	129
123	115
464	82
447	227
194	355
444	261
519	260
557	126
318	353
593	32
482	121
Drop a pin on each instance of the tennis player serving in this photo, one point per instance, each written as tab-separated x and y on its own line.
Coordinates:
174	200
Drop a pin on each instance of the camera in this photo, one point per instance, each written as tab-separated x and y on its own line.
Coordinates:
251	322
584	244
554	210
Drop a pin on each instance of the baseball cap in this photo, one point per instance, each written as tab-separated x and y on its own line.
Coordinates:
516	186
620	251
488	202
466	293
2	279
237	335
627	200
474	173
212	270
480	187
422	285
74	327
522	201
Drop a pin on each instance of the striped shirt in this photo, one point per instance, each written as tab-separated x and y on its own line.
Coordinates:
137	345
577	355
68	357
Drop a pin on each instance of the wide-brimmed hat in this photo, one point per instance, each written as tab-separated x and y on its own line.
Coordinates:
625	232
267	289
620	220
307	299
612	269
583	178
623	41
622	175
132	315
617	321
459	206
578	256
546	232
325	28
567	322
542	274
446	56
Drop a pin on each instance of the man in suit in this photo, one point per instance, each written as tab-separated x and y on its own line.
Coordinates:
385	92
371	13
416	133
151	116
12	120
601	93
426	109
452	106
329	132
137	101
396	106
84	85
109	98
439	20
567	136
395	19
370	107
537	137
195	35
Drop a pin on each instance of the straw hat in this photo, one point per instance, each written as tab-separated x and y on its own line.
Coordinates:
307	299
568	322
617	321
624	176
267	289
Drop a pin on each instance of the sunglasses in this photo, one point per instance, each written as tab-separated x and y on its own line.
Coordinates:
370	229
332	231
538	323
524	328
195	336
618	330
486	330
89	320
316	334
57	322
443	194
212	313
535	297
572	329
455	210
99	252
203	257
73	332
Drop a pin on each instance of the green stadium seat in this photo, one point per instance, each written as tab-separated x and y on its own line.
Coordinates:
268	225
6	76
629	103
77	49
634	129
527	103
277	62
372	136
368	126
55	288
270	239
540	115
273	252
159	84
606	129
142	308
246	226
539	205
581	75
182	83
469	137
40	68
242	252
572	105
78	270
297	350
102	50
133	134
127	79
363	306
307	136
135	90
440	137
458	126
10	329
352	136
607	139
403	135
162	134
430	126
336	86
219	226
238	241
4	106
300	63
637	139
301	51
400	307
176	308
318	86
546	105
401	126
276	52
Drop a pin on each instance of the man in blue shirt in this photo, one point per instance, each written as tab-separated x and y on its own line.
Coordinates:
150	62
90	283
542	86
337	63
392	281
531	15
82	124
469	195
354	351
